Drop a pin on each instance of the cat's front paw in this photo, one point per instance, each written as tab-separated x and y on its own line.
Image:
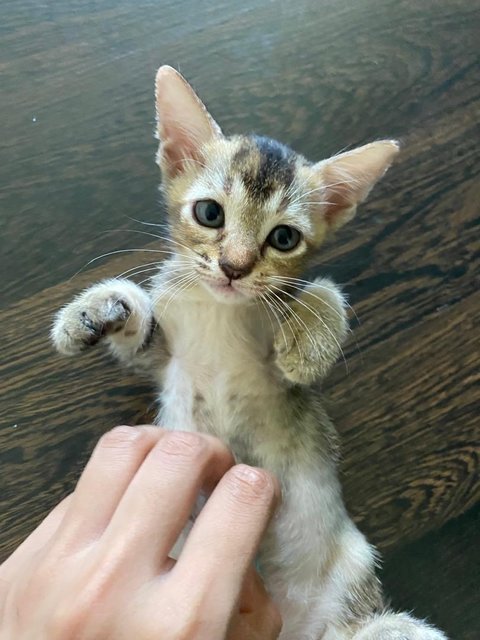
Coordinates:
94	314
291	356
308	341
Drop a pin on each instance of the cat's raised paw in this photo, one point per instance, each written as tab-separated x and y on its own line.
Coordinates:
308	342
293	358
88	318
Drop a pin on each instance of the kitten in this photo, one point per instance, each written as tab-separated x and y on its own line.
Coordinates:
235	338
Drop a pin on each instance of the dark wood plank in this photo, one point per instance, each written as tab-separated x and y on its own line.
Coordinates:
77	97
437	577
77	159
410	459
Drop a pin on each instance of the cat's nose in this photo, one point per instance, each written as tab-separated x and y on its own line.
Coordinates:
235	271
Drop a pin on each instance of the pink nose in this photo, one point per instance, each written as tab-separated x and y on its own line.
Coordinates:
233	271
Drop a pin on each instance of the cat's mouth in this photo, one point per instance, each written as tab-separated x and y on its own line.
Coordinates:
224	290
227	288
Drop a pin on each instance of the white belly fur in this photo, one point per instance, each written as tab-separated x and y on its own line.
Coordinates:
219	354
221	357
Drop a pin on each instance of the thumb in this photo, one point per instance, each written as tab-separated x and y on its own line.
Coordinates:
257	617
253	594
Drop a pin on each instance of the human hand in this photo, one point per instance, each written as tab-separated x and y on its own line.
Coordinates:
97	568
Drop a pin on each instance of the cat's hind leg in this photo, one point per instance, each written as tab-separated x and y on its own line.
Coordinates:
116	311
397	626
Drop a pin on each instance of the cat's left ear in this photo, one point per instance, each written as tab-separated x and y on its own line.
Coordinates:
184	125
348	178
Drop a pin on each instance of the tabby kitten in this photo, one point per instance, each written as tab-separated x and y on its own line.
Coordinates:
235	340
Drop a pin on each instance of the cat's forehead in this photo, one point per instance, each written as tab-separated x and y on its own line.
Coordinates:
264	166
256	178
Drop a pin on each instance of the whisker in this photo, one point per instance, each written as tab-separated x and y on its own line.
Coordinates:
288	323
142	282
147	264
325	187
153	301
148	224
154	235
300	322
313	311
172	283
185	285
304	203
137	273
111	253
180	267
171	278
140	271
187	261
288	281
272	308
267	310
304	290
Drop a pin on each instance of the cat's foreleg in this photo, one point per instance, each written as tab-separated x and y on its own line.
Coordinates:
309	340
397	626
115	311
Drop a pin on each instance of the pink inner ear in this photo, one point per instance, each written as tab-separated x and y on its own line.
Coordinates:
338	198
184	125
176	150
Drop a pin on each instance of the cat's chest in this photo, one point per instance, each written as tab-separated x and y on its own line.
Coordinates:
219	367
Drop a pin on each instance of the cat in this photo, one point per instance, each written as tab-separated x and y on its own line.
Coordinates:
236	339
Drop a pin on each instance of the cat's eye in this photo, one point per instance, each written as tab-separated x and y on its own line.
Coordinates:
284	238
209	213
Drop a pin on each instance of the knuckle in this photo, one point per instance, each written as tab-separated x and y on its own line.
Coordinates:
32	586
220	450
252	484
120	437
66	621
183	445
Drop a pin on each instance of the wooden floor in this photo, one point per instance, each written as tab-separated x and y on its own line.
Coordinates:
77	164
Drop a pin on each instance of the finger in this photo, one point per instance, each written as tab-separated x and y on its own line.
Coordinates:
262	624
36	541
226	536
159	500
257	616
253	594
112	465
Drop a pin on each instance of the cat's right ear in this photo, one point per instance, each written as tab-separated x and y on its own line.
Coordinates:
184	125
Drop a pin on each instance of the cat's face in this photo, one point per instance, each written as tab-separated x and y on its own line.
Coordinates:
247	213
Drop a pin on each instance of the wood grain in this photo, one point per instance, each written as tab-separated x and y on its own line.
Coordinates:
437	577
77	162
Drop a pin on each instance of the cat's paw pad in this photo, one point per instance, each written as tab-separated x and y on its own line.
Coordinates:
110	317
83	322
